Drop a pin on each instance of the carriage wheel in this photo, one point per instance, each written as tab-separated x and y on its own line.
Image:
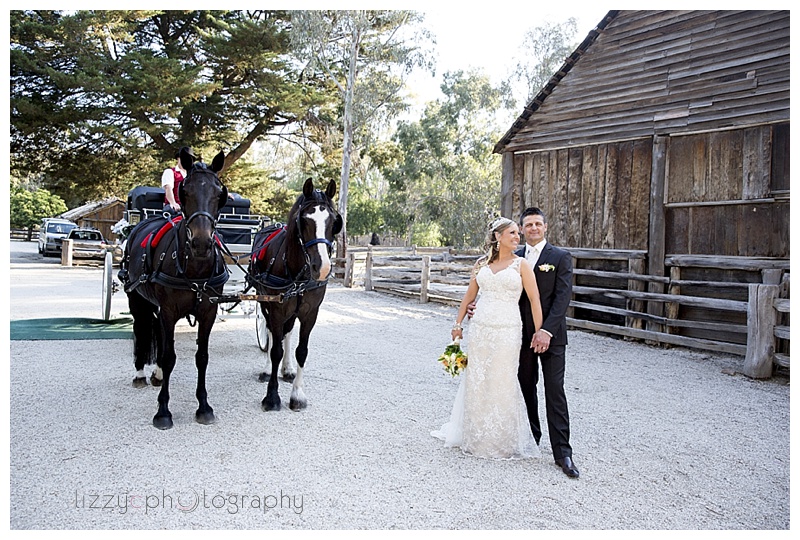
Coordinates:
108	290
262	335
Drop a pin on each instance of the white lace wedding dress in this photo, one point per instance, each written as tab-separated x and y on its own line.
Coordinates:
489	418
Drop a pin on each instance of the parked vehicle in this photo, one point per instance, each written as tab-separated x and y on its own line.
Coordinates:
51	233
86	243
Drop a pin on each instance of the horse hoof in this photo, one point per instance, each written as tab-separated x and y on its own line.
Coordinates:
139	382
288	377
297	404
263	376
269	405
155	381
162	422
206	418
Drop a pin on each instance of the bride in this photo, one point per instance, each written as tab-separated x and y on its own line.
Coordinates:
489	418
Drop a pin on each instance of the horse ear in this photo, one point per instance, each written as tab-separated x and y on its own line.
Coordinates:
338	223
331	190
218	163
308	188
223	199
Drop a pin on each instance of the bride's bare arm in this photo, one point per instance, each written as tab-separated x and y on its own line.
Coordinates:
469	297
529	283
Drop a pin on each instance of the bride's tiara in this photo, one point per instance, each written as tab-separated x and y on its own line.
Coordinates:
498	222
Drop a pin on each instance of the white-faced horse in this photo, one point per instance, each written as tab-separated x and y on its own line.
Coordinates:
293	263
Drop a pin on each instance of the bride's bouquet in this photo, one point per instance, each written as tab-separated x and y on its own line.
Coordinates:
453	358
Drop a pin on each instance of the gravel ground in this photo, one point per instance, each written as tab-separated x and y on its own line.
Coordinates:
664	438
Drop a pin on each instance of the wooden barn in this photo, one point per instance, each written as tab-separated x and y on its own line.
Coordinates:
101	215
659	153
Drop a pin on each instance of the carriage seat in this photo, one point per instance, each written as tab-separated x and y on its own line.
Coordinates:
145	197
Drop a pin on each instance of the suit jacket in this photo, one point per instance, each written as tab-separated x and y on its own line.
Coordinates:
555	293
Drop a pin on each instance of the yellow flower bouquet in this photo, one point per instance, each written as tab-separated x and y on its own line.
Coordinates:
453	358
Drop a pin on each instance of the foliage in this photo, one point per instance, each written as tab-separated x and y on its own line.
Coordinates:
101	100
542	53
447	174
366	56
27	208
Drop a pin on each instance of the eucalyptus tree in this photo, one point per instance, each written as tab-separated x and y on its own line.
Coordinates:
100	100
541	53
447	180
366	56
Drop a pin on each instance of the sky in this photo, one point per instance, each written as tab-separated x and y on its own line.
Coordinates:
474	36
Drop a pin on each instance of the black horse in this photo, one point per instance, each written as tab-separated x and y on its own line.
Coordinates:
293	263
171	269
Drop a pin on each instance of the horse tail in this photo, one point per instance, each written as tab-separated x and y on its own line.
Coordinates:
146	330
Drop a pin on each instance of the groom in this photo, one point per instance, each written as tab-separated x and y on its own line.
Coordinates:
552	267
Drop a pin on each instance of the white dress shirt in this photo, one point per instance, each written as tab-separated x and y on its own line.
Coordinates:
532	252
532	256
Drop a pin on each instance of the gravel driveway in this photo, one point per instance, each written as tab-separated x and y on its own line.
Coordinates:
664	438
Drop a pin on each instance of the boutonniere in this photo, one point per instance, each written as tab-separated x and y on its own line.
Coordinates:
546	267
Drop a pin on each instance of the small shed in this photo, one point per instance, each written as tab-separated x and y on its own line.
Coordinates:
661	148
101	215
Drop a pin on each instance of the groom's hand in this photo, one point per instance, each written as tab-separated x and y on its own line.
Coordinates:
540	342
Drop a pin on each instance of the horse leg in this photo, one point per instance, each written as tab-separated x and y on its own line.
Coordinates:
204	414
298	401
288	369
264	375
145	336
163	418
272	401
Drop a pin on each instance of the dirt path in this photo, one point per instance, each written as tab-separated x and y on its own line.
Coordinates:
664	438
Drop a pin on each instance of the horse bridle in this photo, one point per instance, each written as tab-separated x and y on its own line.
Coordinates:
313	241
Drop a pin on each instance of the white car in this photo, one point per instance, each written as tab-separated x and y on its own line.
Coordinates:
52	231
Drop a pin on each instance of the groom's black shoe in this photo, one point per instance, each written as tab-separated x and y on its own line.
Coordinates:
568	467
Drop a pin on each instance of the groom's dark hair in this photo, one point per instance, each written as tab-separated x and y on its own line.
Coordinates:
532	211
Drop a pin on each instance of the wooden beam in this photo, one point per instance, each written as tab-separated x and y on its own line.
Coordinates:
656	248
697	301
660	337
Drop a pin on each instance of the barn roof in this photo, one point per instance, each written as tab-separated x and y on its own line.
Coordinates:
90	208
571	60
641	74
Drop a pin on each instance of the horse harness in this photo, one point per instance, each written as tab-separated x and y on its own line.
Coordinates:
201	286
287	285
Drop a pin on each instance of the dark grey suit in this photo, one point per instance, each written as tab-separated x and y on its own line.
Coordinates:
555	292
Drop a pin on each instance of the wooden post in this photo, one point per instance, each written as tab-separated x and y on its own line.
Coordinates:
348	270
635	266
656	249
66	252
761	318
368	271
672	308
426	279
571	310
771	276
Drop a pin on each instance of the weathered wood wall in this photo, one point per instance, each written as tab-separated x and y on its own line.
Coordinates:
663	72
594	196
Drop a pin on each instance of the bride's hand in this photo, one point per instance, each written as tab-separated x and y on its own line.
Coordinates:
456	334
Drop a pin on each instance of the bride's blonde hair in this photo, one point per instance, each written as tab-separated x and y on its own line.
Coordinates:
491	245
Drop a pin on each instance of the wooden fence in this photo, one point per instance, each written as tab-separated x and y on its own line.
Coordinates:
735	305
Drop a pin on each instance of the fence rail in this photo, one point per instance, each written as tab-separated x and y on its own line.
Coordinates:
735	305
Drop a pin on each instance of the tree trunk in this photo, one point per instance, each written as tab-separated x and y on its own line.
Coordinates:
341	249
